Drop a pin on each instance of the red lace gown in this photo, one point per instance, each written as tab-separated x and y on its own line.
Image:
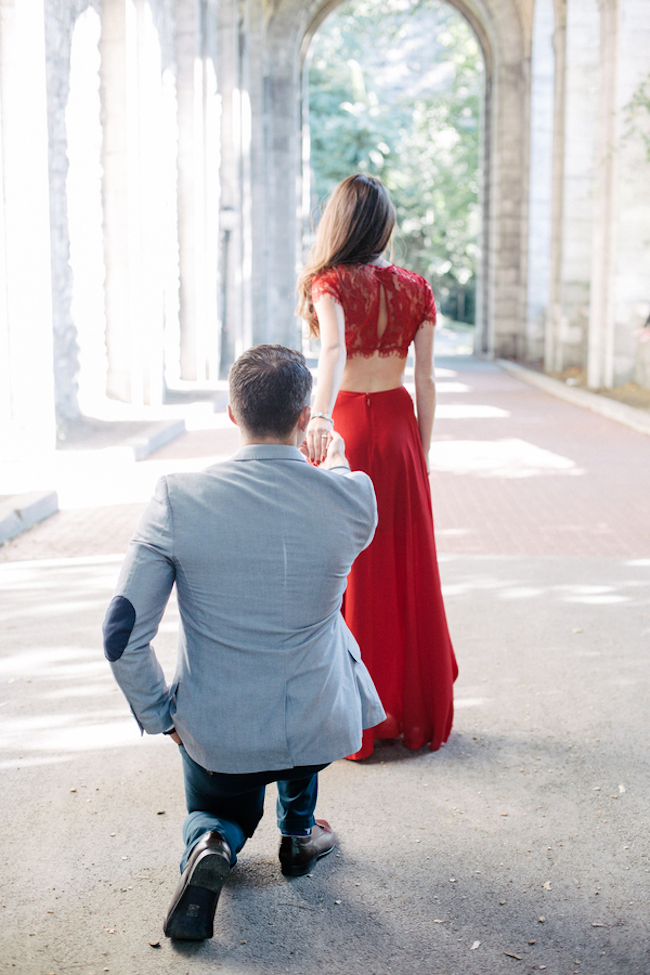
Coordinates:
393	602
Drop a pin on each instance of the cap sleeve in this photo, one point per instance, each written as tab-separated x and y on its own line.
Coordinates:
429	313
326	283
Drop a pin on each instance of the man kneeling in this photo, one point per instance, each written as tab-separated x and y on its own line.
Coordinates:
269	683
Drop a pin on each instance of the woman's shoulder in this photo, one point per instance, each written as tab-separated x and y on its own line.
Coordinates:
326	282
418	292
417	279
342	271
340	279
325	274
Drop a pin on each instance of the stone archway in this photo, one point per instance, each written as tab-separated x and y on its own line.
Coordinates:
284	35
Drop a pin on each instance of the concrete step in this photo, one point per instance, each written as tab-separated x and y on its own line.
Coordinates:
19	512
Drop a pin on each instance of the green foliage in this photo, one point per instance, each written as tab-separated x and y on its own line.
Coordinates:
394	90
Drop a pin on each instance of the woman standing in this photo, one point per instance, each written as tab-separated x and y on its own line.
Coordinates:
367	313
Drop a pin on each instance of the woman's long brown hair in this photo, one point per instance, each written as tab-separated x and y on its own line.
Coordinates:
355	229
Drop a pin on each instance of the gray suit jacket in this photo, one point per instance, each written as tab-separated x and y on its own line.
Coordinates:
268	674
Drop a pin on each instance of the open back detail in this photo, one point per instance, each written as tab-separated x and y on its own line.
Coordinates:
358	289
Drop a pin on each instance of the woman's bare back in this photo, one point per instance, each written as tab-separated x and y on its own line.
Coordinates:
375	373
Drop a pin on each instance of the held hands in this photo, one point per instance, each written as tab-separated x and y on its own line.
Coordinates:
332	456
318	439
335	452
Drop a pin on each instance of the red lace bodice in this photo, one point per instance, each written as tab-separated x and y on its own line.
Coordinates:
357	288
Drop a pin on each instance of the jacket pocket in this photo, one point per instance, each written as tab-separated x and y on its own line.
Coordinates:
353	647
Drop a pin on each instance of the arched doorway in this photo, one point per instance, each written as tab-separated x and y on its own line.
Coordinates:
501	291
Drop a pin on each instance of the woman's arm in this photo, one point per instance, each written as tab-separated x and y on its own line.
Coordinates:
425	384
331	364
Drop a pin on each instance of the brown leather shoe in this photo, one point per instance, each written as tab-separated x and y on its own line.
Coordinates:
298	854
191	913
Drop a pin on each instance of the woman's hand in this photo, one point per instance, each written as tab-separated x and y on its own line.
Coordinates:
318	439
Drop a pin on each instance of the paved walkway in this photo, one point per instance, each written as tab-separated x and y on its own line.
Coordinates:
518	472
514	472
520	846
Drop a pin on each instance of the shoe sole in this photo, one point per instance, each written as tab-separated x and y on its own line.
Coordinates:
192	917
299	870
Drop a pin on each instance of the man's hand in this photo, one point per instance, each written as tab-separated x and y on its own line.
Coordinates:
175	737
335	456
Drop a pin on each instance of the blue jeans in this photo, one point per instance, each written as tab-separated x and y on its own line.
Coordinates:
233	804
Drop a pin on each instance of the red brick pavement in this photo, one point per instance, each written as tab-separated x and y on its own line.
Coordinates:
546	478
565	481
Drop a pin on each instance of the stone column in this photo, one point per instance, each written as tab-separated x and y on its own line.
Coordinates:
540	180
557	187
261	182
278	156
81	251
136	197
284	153
502	270
600	358
198	189
576	43
118	80
620	291
507	212
632	271
27	420
483	337
236	261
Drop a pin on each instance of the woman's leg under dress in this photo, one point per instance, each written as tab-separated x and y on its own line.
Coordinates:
393	603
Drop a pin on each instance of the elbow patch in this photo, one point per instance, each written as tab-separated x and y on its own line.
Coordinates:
118	626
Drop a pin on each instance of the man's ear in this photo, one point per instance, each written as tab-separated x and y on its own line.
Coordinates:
304	418
232	415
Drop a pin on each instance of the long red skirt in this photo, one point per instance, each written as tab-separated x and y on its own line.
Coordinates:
393	603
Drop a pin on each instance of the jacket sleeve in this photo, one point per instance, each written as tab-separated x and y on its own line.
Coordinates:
135	612
361	487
